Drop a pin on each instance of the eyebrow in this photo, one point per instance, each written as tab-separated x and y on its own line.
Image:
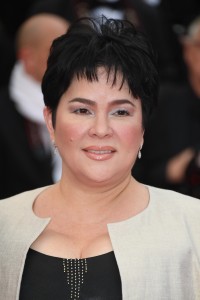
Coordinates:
93	103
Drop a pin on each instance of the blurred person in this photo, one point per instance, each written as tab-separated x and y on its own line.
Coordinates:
171	151
98	233
26	150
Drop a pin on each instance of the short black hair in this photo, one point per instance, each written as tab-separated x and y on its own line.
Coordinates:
115	45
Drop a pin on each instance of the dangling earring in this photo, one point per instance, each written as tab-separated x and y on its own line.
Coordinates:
55	148
139	153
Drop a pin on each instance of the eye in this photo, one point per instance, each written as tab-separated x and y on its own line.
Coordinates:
82	111
121	112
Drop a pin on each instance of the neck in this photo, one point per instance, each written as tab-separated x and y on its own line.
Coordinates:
91	205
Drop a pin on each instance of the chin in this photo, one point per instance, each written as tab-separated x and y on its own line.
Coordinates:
104	178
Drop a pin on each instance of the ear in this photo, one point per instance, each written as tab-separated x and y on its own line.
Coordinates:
48	120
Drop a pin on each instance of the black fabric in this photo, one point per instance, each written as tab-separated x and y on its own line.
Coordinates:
24	164
44	278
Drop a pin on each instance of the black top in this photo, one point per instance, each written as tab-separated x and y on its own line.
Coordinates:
51	278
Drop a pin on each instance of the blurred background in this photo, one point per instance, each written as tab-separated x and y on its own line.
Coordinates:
163	20
173	134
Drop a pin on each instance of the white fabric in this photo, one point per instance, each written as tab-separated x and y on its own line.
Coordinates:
26	93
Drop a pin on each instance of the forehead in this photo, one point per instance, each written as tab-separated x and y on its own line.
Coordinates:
101	92
103	89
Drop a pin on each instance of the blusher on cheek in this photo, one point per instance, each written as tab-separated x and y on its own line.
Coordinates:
131	134
132	138
73	133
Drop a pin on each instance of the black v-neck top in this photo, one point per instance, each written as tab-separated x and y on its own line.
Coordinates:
51	278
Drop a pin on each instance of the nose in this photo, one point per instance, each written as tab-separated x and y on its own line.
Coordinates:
100	127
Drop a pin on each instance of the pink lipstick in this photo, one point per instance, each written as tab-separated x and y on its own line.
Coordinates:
99	153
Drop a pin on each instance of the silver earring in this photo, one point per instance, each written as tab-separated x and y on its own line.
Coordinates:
139	153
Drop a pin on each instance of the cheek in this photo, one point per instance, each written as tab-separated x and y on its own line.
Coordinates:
131	136
69	133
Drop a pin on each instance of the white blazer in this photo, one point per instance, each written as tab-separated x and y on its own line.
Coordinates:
157	251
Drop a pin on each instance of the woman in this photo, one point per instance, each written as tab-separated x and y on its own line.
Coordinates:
98	233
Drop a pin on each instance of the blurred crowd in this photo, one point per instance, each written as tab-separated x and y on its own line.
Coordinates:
171	151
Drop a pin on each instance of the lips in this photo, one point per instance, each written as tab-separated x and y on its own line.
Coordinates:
99	153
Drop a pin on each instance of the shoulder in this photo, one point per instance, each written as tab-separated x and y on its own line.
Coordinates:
174	201
19	226
178	216
18	204
17	216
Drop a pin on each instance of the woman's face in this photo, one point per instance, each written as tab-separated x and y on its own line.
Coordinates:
98	130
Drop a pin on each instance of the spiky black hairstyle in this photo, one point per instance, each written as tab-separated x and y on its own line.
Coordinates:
115	45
